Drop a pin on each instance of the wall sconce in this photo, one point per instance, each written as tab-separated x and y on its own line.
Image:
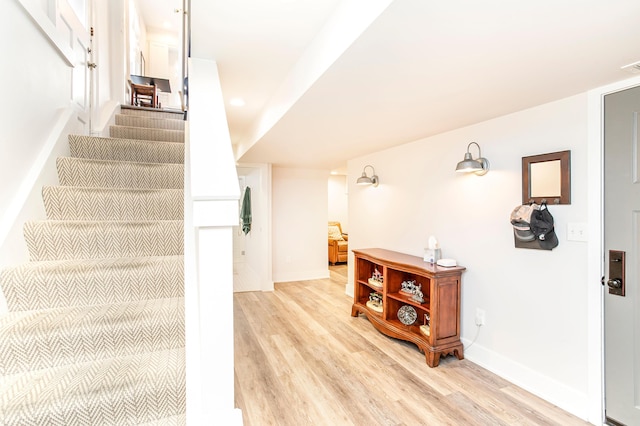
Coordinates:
479	166
366	180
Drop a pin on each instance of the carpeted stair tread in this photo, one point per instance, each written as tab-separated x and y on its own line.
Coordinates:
95	330
131	150
38	339
149	122
86	203
132	132
117	391
180	420
152	112
119	174
57	284
58	240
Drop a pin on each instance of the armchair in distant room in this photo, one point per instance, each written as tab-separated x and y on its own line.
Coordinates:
338	245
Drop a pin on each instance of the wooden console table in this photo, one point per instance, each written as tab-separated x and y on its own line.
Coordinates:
440	310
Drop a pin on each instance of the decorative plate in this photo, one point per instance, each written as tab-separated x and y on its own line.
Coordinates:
407	315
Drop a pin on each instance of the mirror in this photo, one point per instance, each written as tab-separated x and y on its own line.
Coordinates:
547	178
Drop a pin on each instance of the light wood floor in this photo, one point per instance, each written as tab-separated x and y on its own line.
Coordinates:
301	359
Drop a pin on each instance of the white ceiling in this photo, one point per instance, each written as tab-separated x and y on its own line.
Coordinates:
419	68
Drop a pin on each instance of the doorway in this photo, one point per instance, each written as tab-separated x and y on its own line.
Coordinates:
337	202
621	250
252	270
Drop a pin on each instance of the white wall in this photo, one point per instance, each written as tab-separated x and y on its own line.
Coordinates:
137	42
338	201
33	107
111	79
163	61
299	212
535	301
31	102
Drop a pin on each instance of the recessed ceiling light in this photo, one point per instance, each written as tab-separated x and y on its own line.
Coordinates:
236	102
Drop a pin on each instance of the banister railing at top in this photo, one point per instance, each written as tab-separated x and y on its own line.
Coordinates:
211	210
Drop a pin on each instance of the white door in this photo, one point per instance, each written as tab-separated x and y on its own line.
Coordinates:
67	25
621	256
74	18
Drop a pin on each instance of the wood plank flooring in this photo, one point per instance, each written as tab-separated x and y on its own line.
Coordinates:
301	359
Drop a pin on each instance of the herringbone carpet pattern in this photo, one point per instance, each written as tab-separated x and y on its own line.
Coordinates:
133	132
119	174
88	203
139	151
148	122
56	240
95	332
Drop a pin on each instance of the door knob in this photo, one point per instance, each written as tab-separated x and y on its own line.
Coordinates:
615	283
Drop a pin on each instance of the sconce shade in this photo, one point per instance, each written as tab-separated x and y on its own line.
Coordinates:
366	180
479	166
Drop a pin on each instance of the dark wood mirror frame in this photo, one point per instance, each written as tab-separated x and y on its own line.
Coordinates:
565	178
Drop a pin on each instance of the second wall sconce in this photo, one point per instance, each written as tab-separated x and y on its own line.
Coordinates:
479	166
366	180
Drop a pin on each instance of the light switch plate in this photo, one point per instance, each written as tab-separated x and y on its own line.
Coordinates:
577	231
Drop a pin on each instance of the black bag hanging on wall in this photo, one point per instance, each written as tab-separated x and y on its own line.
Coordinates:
533	227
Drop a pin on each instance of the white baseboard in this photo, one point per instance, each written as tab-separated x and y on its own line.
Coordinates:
301	275
107	118
550	390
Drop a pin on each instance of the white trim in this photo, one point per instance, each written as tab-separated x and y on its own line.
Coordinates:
215	212
211	209
106	118
595	244
33	8
306	275
557	393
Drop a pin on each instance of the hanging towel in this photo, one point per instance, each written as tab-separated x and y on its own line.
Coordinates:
245	211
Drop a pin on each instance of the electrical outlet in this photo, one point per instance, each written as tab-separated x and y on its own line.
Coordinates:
480	316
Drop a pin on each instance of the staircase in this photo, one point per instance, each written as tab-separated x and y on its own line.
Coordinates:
95	332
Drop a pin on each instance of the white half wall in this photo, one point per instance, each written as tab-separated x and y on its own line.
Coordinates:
535	301
299	212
